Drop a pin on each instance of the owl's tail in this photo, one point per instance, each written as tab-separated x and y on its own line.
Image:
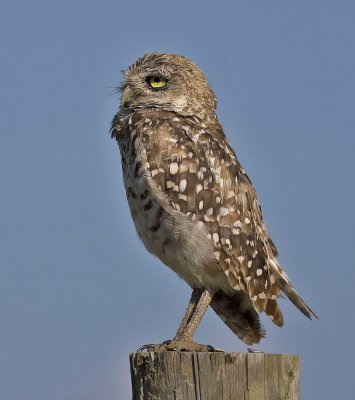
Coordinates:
238	313
286	286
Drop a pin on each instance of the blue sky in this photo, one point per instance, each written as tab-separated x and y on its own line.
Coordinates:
78	292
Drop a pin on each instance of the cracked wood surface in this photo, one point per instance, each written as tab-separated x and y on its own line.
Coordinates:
215	376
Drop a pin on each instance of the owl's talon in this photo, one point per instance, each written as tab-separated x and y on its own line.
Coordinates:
145	347
175	345
253	351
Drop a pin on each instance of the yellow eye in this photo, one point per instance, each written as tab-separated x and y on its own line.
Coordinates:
156	82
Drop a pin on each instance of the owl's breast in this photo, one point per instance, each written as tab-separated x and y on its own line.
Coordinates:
174	238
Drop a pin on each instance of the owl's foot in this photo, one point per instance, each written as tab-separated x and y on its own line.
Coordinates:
177	345
250	350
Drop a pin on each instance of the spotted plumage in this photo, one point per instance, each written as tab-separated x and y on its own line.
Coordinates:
191	201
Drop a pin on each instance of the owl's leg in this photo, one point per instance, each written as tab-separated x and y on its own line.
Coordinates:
183	340
199	302
195	297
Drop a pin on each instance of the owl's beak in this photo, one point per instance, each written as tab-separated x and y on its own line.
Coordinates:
126	97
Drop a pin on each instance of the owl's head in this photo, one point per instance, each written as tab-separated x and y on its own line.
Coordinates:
170	82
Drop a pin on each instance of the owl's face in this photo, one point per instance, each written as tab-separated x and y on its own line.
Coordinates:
169	82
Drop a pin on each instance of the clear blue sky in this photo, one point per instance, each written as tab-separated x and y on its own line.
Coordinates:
78	292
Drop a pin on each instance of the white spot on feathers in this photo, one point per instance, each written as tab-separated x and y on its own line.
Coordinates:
154	172
223	211
182	196
176	206
173	168
182	185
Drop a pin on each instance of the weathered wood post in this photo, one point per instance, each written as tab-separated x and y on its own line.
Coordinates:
177	375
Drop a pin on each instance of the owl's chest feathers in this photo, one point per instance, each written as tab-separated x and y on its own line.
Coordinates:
170	235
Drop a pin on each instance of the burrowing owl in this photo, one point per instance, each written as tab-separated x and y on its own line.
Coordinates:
192	203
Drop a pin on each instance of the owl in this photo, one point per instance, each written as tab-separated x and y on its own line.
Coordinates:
192	203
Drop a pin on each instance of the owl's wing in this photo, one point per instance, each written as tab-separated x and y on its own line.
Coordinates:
198	170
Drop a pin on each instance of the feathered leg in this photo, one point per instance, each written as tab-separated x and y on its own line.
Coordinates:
183	340
195	297
200	300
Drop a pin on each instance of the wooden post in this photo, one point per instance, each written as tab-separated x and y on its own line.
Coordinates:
174	375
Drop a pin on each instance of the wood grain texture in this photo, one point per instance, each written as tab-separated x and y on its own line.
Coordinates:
215	376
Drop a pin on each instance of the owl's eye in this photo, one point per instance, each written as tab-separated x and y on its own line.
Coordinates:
156	82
